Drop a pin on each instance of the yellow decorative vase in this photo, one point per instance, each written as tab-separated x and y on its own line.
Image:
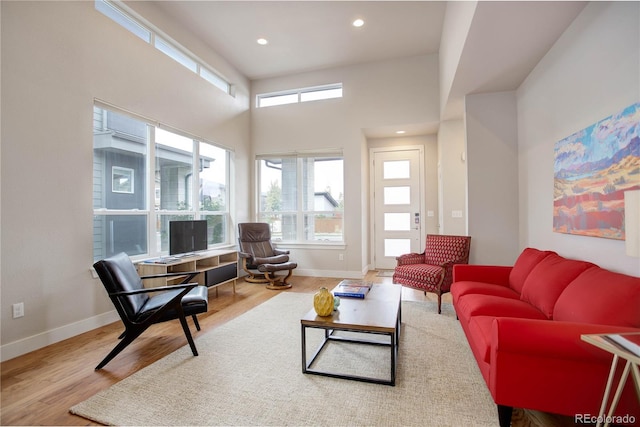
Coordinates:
323	302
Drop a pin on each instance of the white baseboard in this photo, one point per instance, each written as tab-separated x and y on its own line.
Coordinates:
35	342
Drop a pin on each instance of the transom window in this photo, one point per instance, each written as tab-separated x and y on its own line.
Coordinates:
145	176
299	95
127	19
302	197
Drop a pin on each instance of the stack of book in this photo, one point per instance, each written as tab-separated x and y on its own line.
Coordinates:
352	289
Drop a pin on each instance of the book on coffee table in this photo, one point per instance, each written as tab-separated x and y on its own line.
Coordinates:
352	289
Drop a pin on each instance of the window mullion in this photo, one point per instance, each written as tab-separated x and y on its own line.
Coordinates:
150	186
195	180
300	202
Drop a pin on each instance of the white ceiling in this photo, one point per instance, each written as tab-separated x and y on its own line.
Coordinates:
310	35
505	41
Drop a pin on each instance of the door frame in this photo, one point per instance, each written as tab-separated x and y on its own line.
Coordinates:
421	183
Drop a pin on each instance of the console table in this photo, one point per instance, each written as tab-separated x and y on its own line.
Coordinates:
632	359
214	268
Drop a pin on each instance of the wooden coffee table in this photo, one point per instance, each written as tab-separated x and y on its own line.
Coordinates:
378	313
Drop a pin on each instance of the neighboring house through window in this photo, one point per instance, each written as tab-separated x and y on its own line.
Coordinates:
302	197
145	176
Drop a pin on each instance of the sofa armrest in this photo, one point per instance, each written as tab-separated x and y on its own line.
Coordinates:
496	274
552	360
549	338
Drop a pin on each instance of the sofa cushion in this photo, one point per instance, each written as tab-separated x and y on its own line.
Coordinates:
480	331
528	259
468	287
488	305
549	278
602	297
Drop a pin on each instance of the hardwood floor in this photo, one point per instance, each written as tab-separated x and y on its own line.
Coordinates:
39	388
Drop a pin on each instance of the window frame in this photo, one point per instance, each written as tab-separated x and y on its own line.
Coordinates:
131	179
296	96
300	213
151	211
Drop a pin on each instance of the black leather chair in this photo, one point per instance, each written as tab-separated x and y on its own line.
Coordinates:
139	310
258	253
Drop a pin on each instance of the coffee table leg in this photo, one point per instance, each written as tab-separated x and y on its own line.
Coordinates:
394	353
303	338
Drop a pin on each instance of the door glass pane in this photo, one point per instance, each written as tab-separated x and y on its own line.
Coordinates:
174	171
397	195
396	247
396	169
397	221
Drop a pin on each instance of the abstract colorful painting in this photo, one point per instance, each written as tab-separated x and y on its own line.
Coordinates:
592	170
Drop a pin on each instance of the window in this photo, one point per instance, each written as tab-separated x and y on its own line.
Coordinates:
108	9
302	198
145	176
122	15
174	53
122	180
299	95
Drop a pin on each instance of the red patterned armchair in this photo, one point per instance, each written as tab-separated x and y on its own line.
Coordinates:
432	270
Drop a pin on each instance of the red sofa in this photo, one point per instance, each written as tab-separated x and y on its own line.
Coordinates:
523	324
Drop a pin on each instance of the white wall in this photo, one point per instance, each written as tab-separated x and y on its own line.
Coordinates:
592	72
56	58
453	179
381	94
455	29
492	168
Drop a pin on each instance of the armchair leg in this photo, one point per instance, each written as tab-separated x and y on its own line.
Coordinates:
187	333
439	303
127	338
195	319
287	277
277	282
504	415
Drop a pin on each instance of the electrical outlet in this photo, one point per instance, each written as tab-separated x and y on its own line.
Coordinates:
18	310
340	257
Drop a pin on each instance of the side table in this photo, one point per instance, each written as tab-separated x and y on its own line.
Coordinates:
632	357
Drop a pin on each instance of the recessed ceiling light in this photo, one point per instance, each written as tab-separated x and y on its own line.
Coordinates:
262	41
400	132
358	23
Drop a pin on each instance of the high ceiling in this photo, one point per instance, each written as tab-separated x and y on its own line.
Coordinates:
503	42
310	35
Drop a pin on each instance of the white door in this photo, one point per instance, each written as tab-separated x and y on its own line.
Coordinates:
397	205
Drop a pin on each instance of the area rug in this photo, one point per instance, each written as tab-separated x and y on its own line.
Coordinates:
249	372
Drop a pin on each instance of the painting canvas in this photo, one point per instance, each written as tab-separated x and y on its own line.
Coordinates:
592	170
